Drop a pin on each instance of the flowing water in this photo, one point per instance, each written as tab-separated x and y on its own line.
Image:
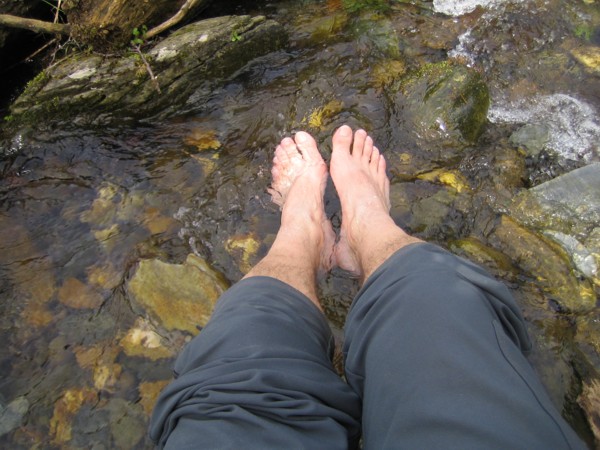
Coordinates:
79	208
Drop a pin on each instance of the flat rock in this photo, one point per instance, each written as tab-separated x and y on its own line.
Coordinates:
177	296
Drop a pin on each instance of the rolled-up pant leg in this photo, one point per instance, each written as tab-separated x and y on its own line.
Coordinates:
259	375
434	348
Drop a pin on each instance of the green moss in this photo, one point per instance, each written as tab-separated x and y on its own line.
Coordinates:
37	83
584	31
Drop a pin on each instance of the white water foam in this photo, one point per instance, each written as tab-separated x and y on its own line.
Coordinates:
459	7
574	130
461	52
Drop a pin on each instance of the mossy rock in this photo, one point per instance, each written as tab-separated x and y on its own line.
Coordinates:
447	99
187	64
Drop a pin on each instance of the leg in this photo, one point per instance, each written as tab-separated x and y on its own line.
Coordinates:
259	375
434	346
304	243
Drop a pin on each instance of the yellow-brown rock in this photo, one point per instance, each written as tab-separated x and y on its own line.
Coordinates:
589	400
547	262
100	359
387	72
243	249
589	57
75	294
451	178
149	391
157	223
65	409
142	340
177	296
104	276
103	207
37	314
203	140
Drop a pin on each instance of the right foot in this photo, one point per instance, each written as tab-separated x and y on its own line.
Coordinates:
368	234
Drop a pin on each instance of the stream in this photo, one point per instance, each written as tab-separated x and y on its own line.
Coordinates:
81	207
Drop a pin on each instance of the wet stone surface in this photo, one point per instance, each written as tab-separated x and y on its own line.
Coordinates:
85	211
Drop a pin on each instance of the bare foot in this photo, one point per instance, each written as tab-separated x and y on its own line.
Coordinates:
305	240
368	234
299	180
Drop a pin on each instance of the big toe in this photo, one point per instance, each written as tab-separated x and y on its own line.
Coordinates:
308	146
289	150
342	140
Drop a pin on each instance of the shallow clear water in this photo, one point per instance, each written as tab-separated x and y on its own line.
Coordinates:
80	207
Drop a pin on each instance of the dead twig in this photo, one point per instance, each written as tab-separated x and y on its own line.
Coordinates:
37	26
138	50
178	17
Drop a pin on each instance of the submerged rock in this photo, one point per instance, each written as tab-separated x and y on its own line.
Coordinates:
11	415
589	57
65	408
443	106
143	340
243	249
475	250
588	338
545	261
97	89
177	296
149	392
589	400
563	125
567	208
78	295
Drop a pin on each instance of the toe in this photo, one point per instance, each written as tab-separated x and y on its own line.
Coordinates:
281	156
289	147
342	139
359	144
308	146
381	166
374	161
368	149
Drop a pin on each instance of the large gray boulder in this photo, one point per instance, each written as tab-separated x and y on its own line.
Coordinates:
96	89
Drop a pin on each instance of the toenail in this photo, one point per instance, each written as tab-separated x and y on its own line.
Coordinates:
345	130
301	137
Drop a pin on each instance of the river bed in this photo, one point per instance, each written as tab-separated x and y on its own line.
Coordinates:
81	207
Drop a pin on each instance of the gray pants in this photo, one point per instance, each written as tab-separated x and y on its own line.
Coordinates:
433	356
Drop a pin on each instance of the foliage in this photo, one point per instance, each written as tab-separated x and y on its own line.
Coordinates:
235	37
139	35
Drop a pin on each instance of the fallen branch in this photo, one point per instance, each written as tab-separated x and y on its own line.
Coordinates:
37	26
187	6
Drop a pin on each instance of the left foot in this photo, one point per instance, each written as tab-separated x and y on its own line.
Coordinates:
299	180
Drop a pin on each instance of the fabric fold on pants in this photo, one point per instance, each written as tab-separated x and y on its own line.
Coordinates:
259	375
434	347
